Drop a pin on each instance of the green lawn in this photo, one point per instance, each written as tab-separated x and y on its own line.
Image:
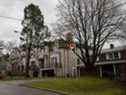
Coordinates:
81	86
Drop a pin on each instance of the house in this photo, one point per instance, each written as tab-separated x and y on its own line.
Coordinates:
59	60
54	59
112	63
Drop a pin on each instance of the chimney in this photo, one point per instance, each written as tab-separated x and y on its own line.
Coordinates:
111	46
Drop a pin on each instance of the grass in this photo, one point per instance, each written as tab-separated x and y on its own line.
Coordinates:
81	86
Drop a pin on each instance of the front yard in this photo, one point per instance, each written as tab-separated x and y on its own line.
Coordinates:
81	86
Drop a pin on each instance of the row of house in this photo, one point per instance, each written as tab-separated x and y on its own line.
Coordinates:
57	59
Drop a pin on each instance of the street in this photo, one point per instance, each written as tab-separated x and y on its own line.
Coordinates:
14	88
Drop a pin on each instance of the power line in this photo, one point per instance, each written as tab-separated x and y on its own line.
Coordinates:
12	18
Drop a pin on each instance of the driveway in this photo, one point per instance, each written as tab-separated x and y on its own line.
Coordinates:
14	88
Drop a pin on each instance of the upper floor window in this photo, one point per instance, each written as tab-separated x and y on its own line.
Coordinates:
111	56
102	57
116	55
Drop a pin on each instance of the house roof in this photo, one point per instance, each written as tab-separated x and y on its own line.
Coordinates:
114	49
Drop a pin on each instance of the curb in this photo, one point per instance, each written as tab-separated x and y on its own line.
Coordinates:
45	89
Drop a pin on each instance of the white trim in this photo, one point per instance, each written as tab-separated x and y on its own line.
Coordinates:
119	55
46	69
80	65
110	62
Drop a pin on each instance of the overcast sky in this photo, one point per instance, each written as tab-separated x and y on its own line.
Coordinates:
14	8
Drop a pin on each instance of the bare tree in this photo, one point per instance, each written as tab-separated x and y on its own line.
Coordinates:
93	23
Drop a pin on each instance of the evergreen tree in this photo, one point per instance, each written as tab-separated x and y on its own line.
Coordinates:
34	31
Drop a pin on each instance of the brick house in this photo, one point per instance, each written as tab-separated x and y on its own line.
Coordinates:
112	63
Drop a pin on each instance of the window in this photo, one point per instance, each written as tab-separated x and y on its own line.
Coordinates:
41	63
102	57
54	61
116	55
78	61
113	55
97	58
110	56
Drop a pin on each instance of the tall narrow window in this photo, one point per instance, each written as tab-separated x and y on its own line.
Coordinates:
41	63
116	55
78	61
111	57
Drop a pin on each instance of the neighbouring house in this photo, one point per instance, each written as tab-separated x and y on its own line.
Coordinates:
112	63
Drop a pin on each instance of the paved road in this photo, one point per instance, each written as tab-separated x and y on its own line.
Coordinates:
13	88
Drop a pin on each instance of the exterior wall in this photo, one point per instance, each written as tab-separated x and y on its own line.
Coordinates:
69	62
66	62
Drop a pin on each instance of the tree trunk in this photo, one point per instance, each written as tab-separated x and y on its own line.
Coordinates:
90	69
28	56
